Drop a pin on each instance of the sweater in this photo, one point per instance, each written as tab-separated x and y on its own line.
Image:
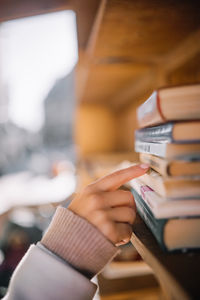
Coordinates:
60	267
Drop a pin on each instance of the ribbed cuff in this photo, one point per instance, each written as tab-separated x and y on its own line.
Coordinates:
78	242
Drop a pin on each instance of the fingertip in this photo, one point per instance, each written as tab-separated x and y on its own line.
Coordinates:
119	244
123	242
126	241
144	166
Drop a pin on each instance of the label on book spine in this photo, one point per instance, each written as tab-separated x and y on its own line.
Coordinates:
151	148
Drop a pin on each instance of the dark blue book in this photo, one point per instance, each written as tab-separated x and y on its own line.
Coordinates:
172	132
173	233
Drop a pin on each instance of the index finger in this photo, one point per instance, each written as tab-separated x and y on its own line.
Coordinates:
113	181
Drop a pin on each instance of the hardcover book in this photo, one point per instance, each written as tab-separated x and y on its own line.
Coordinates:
168	150
172	187
169	104
171	234
173	132
163	207
189	166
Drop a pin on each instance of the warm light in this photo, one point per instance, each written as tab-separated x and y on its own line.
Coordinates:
34	53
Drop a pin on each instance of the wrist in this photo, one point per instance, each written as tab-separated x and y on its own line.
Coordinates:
78	242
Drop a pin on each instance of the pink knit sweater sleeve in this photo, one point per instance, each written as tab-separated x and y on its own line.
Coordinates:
78	242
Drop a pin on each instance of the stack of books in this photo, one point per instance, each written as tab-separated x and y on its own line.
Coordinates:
168	139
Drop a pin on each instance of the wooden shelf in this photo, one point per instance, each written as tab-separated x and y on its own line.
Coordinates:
144	294
178	273
122	65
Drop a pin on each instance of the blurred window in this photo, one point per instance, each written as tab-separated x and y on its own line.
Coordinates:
34	53
37	59
37	101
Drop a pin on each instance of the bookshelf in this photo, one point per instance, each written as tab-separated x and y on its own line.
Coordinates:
126	50
134	48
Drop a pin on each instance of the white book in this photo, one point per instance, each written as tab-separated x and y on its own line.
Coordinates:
162	207
168	150
172	187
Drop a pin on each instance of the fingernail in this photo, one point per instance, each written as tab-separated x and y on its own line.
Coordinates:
126	241
118	244
144	166
121	243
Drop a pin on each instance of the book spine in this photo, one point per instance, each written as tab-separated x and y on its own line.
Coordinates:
149	113
161	133
156	226
156	163
158	149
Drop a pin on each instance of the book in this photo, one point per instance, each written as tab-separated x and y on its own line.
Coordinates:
171	234
169	104
163	207
167	167
168	150
172	132
172	187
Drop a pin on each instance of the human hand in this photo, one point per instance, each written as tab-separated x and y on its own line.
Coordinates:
111	210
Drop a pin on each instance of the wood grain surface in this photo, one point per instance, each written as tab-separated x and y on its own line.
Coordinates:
178	273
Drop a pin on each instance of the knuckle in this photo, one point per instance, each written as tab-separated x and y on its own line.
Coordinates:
99	218
102	217
130	197
123	193
95	201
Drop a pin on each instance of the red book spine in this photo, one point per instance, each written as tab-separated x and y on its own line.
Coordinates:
159	107
150	112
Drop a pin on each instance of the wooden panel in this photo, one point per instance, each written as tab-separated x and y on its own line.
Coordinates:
95	129
188	73
109	286
144	294
157	76
85	10
86	13
126	127
145	28
11	9
143	36
138	46
178	273
110	79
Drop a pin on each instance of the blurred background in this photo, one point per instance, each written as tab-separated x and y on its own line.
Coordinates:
37	105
